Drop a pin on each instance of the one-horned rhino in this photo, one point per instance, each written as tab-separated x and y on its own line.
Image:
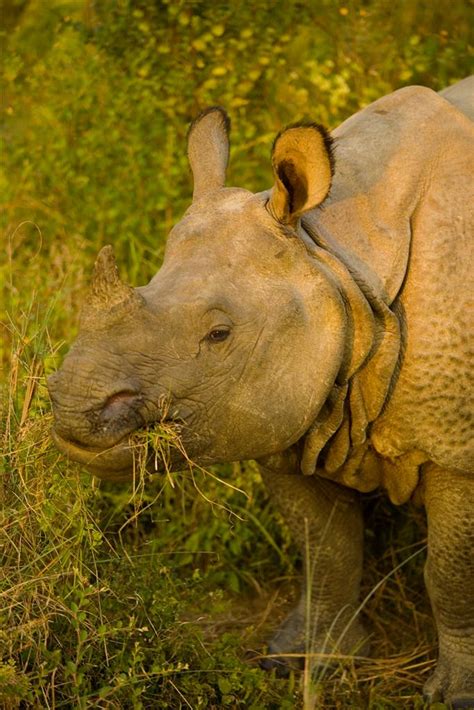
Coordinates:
321	328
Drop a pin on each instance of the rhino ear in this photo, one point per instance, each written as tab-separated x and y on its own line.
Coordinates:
208	150
303	165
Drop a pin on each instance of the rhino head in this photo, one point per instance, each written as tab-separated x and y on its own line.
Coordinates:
239	337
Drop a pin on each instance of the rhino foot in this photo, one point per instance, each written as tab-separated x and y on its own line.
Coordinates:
451	683
290	648
289	639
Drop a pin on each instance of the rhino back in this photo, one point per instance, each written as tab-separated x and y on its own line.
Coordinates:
431	407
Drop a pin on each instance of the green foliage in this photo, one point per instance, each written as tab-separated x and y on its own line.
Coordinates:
115	598
97	102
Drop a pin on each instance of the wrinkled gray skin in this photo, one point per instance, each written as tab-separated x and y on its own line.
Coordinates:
331	345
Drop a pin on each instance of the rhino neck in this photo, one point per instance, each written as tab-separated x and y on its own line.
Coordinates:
365	377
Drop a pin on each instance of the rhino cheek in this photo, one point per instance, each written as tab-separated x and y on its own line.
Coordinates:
264	396
246	421
293	376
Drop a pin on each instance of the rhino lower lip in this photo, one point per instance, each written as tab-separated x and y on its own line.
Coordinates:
117	458
115	462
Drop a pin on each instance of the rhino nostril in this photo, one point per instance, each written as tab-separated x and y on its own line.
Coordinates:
119	397
120	411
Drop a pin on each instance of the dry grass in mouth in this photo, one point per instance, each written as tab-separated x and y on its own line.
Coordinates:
153	448
156	449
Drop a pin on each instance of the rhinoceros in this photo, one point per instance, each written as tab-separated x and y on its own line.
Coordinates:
321	329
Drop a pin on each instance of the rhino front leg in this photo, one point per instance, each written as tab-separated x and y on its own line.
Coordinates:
449	576
326	523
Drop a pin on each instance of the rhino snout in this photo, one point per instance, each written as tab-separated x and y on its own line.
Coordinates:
98	421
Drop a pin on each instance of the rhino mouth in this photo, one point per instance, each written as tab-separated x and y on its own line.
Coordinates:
112	463
124	459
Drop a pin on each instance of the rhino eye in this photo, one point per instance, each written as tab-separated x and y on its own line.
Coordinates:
217	335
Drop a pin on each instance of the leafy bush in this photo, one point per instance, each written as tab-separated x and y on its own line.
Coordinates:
95	126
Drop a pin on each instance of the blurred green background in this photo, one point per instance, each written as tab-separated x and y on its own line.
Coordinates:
98	96
112	598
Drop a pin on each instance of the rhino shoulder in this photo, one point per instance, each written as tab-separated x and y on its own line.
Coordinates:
461	95
387	157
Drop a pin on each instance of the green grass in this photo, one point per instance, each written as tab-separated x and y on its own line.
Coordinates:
161	593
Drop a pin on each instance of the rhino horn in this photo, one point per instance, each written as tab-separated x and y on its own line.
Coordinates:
107	289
